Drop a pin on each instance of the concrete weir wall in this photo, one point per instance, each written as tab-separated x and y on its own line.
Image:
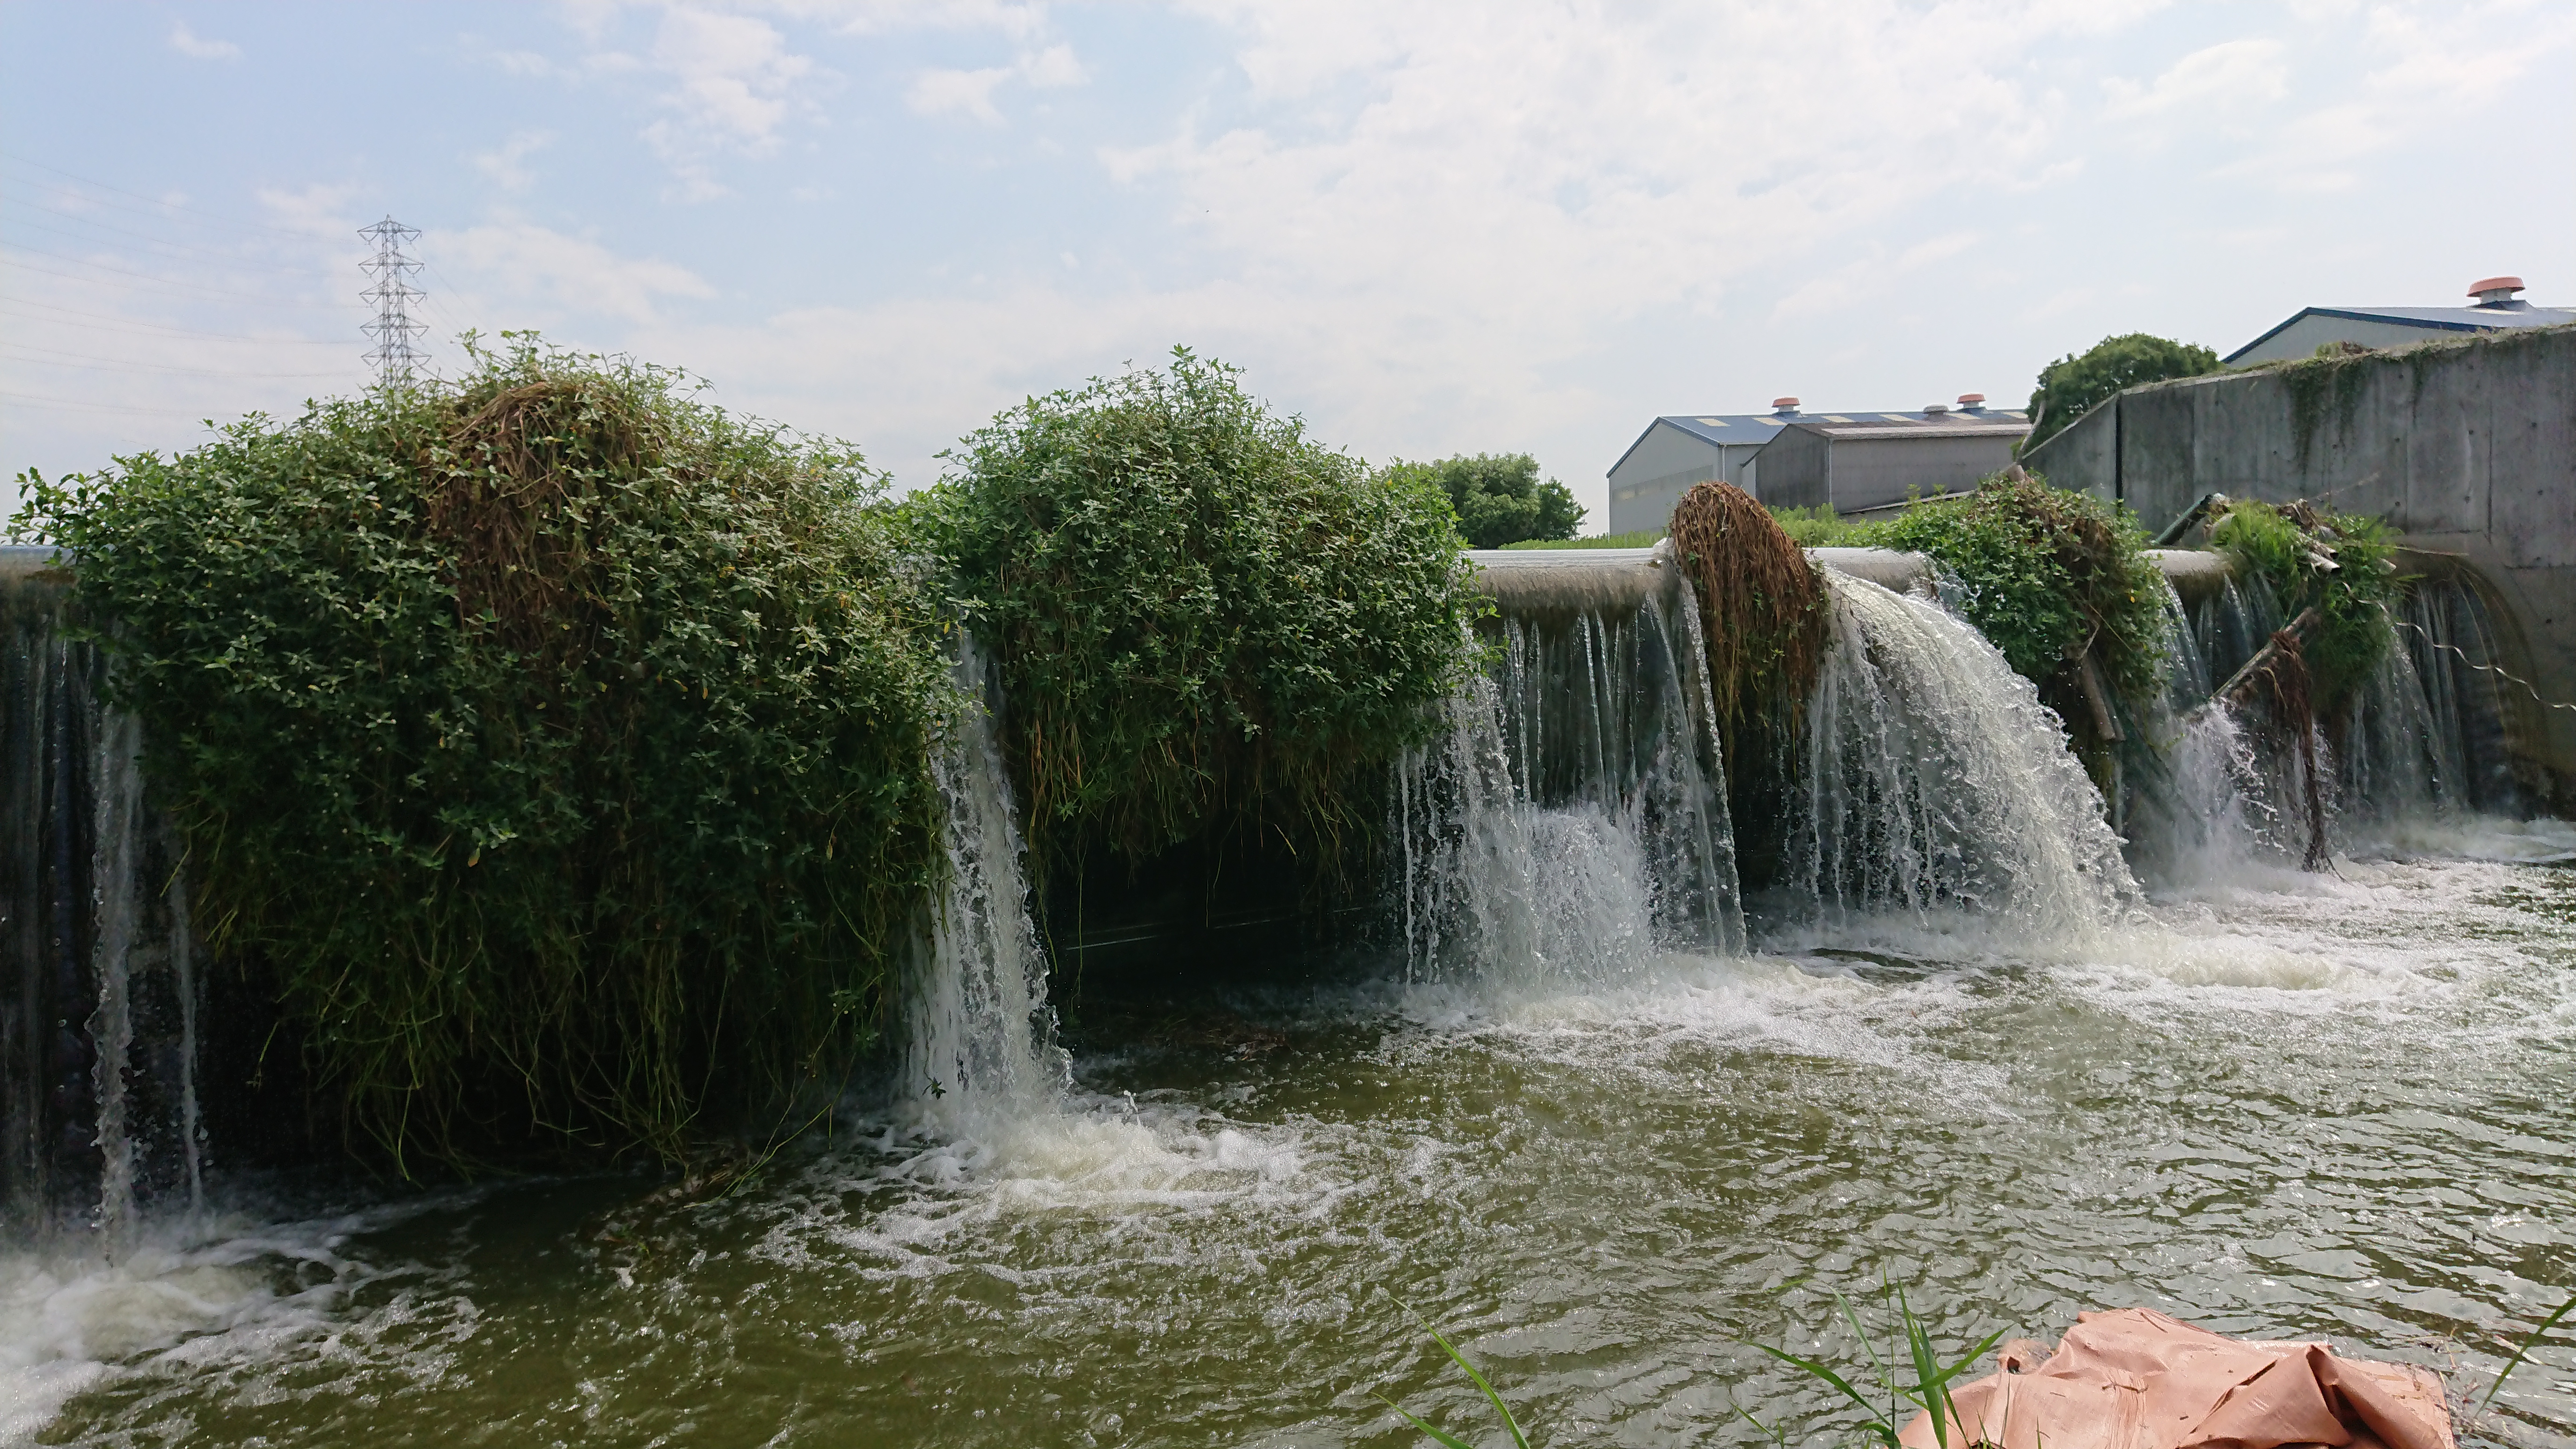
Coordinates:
2467	448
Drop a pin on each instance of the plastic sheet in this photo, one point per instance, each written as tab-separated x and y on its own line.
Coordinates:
2136	1379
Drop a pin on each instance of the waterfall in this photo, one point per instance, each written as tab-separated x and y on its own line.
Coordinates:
2428	733
1569	822
1934	779
101	1117
980	1034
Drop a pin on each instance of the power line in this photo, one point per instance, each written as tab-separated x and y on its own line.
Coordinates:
158	206
127	324
118	364
207	252
145	277
392	292
64	402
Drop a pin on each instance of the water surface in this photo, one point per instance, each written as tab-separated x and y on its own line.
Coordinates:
2339	1106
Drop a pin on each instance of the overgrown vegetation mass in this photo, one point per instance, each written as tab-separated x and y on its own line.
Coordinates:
553	745
1500	498
1206	621
2342	565
2051	578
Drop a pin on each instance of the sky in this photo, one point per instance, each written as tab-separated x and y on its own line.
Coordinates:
1425	228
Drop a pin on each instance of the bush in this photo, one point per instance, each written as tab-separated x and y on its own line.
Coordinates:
1204	619
2048	576
2070	386
2287	549
556	745
1499	497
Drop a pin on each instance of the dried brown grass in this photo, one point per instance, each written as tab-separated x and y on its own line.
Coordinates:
512	497
1762	607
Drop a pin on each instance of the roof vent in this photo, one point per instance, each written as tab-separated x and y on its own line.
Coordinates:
1934	410
2495	291
1972	402
1784	405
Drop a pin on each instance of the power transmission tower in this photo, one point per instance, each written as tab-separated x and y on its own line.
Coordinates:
392	292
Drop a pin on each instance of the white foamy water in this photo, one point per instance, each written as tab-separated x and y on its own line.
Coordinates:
229	1287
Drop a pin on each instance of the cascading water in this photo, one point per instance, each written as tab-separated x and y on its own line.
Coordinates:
1570	822
2425	739
981	1036
1935	781
100	1112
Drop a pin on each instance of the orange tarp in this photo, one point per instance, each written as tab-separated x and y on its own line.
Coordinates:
2136	1379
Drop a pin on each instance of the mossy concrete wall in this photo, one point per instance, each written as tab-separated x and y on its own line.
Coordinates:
2467	448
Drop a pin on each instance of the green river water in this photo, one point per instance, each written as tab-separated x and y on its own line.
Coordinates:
2341	1106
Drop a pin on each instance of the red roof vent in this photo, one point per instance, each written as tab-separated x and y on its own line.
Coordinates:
2495	291
1784	405
1971	401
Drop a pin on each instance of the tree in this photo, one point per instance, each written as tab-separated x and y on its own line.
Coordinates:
1499	497
2070	386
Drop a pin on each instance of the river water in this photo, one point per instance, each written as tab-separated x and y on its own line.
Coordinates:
2273	1102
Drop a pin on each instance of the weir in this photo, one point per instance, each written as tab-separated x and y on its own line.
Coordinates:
1568	824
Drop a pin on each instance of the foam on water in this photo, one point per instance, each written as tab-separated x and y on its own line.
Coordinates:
219	1287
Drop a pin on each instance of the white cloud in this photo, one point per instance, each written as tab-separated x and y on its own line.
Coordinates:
189	44
939	92
2426	71
504	164
533	266
2224	76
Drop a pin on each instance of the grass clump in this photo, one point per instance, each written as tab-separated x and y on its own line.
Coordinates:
1205	620
2053	579
2342	564
1821	527
554	746
1640	538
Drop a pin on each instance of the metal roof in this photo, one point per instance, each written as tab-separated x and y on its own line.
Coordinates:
1986	427
2481	318
1756	429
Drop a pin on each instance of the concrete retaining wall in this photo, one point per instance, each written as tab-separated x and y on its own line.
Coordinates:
2467	448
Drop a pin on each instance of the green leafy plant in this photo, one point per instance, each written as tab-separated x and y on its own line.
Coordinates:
554	746
1205	620
1914	1379
1500	497
2052	578
2071	386
2341	564
1511	1425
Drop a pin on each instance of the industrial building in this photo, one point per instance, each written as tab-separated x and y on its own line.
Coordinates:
2497	310
1792	459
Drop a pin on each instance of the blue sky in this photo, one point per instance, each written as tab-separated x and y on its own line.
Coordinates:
1427	228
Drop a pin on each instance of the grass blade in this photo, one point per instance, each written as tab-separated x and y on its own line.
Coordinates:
2528	1345
1447	1440
1877	1422
1495	1399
